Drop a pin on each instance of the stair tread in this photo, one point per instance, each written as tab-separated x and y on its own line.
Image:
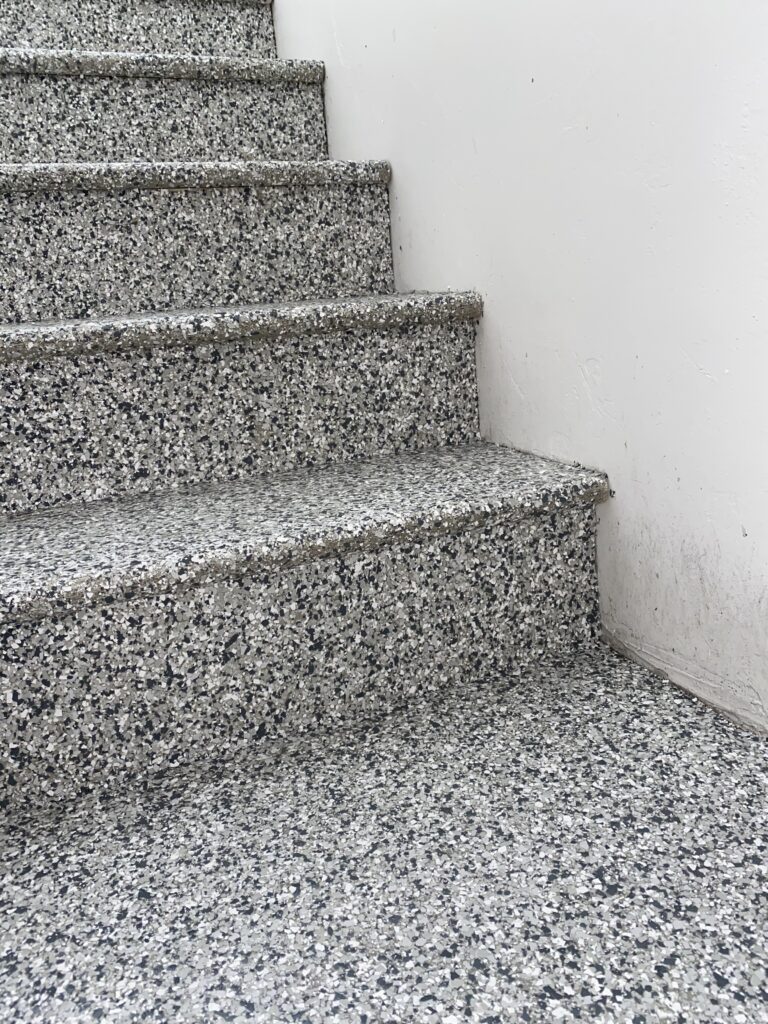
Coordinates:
79	555
195	174
226	323
127	64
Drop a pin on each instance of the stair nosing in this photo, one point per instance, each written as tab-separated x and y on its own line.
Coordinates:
580	487
227	324
144	175
124	64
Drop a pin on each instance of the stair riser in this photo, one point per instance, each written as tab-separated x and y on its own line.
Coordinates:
112	694
49	119
222	27
76	254
92	426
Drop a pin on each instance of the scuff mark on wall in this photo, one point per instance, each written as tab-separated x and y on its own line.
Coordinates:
743	705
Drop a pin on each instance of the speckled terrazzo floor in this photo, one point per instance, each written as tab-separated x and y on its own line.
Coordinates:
209	27
518	839
581	843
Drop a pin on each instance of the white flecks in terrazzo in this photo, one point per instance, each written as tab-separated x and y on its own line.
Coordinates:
185	236
520	840
173	627
232	323
73	555
190	174
578	842
90	426
220	27
48	119
108	64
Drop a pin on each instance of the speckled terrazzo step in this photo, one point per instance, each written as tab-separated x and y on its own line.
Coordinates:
94	409
145	633
581	836
86	240
234	27
76	105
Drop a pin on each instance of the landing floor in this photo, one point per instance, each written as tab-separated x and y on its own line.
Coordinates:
585	843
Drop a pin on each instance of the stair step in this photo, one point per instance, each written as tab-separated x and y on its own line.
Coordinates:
143	633
74	105
95	409
77	105
220	27
85	240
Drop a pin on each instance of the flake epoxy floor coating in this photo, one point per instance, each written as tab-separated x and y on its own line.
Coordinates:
583	843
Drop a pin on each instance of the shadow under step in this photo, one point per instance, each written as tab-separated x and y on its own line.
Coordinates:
219	27
86	240
93	409
140	635
76	105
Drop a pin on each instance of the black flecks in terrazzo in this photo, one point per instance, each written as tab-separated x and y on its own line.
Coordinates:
116	691
56	178
153	543
94	118
232	323
110	695
81	254
580	842
94	64
219	27
92	426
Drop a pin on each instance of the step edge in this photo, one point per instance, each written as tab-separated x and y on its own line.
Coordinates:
591	488
225	325
146	175
159	66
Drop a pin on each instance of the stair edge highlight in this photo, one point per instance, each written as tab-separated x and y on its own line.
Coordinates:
145	175
228	324
125	64
556	486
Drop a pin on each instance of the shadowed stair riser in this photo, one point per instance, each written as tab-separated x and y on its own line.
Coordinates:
240	27
111	694
48	118
94	425
71	254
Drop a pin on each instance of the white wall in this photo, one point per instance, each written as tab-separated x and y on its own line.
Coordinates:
600	172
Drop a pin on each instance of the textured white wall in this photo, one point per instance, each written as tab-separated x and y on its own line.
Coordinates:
600	172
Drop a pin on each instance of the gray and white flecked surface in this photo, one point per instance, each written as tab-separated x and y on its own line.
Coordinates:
153	543
191	174
520	840
86	240
217	326
220	27
577	842
73	106
144	635
164	66
86	427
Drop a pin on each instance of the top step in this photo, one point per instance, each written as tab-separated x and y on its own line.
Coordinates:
216	27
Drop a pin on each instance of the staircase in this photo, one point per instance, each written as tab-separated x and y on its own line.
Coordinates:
248	524
244	489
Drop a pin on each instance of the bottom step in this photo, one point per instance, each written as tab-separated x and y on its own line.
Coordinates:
582	842
158	631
